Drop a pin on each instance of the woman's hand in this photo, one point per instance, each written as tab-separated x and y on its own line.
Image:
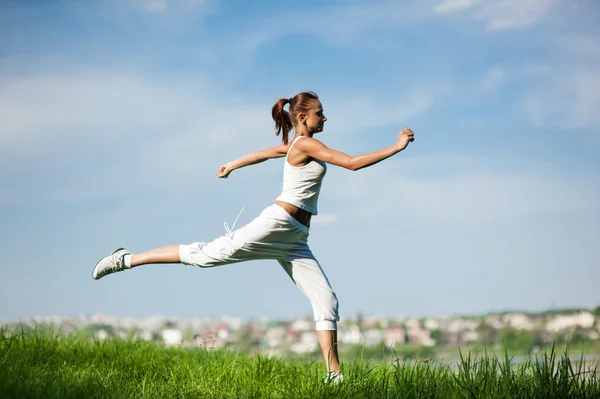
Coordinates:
224	171
405	136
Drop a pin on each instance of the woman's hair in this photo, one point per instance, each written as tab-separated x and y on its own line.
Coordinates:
285	120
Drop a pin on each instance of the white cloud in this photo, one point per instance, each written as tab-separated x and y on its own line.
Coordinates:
371	111
154	5
172	125
129	128
450	6
497	15
344	25
162	5
113	105
585	89
566	97
580	45
195	3
36	109
563	89
349	24
493	79
461	198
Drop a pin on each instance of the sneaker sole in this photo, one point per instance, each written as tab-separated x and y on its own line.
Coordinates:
97	264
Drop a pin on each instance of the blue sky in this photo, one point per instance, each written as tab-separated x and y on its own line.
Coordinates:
117	114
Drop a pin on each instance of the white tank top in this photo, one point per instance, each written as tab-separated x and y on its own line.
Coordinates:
301	184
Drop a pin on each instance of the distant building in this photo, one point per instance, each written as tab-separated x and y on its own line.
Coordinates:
308	342
469	336
350	336
519	321
585	320
275	336
431	324
373	336
569	322
172	336
394	335
420	336
303	325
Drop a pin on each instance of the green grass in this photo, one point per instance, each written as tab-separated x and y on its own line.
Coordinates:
48	365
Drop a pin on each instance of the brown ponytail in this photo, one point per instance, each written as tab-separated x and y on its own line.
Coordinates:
284	120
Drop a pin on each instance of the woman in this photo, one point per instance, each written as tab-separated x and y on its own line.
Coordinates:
281	231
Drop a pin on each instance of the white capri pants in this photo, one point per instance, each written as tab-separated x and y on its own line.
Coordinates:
274	234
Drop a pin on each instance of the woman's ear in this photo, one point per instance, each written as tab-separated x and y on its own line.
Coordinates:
302	118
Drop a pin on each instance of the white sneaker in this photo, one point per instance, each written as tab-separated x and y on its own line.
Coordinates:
334	377
110	264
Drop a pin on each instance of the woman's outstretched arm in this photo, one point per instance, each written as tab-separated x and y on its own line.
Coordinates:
253	158
315	149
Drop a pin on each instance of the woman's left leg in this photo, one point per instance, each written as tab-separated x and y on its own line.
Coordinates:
329	349
311	280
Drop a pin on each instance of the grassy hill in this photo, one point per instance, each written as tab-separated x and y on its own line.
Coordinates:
48	365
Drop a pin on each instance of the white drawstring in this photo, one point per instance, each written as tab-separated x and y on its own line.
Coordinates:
227	229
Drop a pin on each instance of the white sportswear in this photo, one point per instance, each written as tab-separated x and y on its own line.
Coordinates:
302	184
275	234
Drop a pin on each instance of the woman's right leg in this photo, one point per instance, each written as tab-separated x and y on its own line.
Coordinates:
221	251
122	259
168	254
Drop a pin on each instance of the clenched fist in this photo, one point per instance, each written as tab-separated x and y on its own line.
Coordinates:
224	171
405	136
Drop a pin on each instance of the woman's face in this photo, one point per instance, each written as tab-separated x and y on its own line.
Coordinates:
315	119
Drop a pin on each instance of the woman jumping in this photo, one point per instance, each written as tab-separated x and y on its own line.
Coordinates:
281	231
